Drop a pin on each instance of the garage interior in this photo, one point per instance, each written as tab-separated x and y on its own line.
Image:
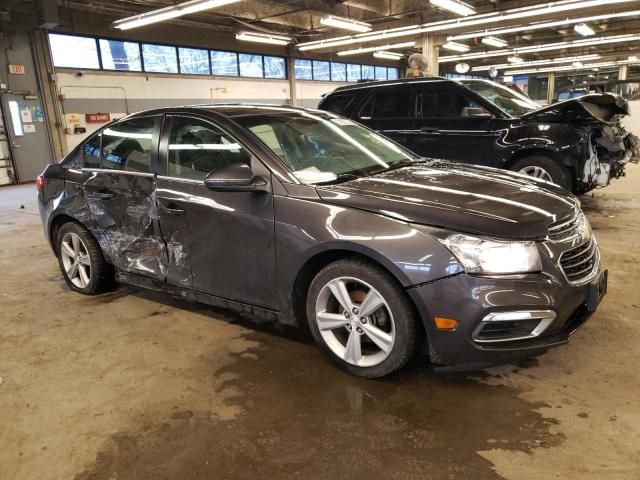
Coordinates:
134	384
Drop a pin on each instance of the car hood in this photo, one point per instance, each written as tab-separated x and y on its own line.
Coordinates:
593	108
464	198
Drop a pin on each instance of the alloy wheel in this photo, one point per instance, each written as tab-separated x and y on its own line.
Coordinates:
537	172
355	321
76	260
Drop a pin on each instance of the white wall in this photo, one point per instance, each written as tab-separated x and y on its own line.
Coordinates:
106	92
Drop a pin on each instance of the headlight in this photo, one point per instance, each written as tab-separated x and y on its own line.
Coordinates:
478	255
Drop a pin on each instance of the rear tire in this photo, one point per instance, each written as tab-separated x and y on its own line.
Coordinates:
81	260
378	336
544	168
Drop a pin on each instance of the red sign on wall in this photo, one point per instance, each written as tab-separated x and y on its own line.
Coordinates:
97	117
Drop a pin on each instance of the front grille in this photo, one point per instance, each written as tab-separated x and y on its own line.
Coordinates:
579	263
565	228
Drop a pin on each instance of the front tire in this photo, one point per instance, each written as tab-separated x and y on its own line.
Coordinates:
361	318
544	168
81	260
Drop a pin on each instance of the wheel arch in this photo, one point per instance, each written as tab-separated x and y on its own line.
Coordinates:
565	160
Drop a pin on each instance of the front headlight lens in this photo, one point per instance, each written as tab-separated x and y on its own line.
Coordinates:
479	255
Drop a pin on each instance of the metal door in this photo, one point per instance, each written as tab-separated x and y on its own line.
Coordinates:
27	134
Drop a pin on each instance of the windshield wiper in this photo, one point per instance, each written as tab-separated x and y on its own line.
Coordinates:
340	178
399	164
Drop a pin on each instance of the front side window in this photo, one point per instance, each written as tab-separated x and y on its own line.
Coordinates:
320	148
122	56
197	147
514	103
444	102
90	152
128	145
338	103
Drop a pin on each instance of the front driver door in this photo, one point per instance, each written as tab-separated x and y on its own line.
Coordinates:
118	184
228	243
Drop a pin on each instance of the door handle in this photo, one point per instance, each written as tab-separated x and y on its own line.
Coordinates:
173	209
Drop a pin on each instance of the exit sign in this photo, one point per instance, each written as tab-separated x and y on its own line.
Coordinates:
16	69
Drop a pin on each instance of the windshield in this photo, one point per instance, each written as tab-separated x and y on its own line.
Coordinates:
321	148
514	103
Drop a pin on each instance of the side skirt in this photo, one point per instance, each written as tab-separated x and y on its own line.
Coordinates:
255	313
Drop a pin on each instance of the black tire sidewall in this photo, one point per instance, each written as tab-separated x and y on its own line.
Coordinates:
394	295
97	282
559	173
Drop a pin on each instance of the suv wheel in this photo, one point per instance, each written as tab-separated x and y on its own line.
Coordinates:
544	168
361	318
81	261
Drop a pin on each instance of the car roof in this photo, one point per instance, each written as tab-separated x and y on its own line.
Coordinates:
232	109
400	81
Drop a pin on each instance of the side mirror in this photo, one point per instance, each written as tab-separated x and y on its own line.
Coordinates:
474	112
237	177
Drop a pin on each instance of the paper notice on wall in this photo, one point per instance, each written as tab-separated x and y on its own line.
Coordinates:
26	116
29	128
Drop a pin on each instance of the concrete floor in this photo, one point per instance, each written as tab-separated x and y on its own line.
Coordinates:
134	385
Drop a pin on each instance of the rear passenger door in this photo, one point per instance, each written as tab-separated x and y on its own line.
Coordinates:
118	184
451	125
390	111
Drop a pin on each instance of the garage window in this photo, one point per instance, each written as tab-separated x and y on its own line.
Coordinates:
122	56
194	61
392	73
338	72
275	67
74	52
381	73
159	58
224	63
250	65
353	73
368	72
303	69
321	70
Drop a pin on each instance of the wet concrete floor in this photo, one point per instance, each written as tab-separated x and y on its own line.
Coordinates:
137	385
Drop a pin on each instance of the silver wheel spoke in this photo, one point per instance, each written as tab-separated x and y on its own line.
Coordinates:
353	351
330	321
75	240
84	260
73	271
84	277
68	249
372	302
339	291
383	340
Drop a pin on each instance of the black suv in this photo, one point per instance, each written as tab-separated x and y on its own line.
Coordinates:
577	144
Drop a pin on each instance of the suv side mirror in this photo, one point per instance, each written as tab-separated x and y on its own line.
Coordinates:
474	112
237	177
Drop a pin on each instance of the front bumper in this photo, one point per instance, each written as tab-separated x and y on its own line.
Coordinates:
470	300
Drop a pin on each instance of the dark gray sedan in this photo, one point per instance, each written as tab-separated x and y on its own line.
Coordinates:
305	217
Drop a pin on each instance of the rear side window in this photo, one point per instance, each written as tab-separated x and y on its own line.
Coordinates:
197	147
443	102
90	152
388	103
127	145
337	103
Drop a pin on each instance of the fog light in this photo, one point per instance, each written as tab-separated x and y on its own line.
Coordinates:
446	323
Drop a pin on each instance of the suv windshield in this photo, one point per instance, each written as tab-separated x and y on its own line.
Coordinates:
320	147
514	103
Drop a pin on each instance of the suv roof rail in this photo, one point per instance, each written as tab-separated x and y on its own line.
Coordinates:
373	83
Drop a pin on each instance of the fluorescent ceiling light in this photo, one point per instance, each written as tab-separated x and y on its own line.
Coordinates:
345	23
358	51
567	68
632	59
577	64
455	6
458	23
388	55
163	14
263	38
532	63
457	47
543	47
583	29
494	42
541	25
515	59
